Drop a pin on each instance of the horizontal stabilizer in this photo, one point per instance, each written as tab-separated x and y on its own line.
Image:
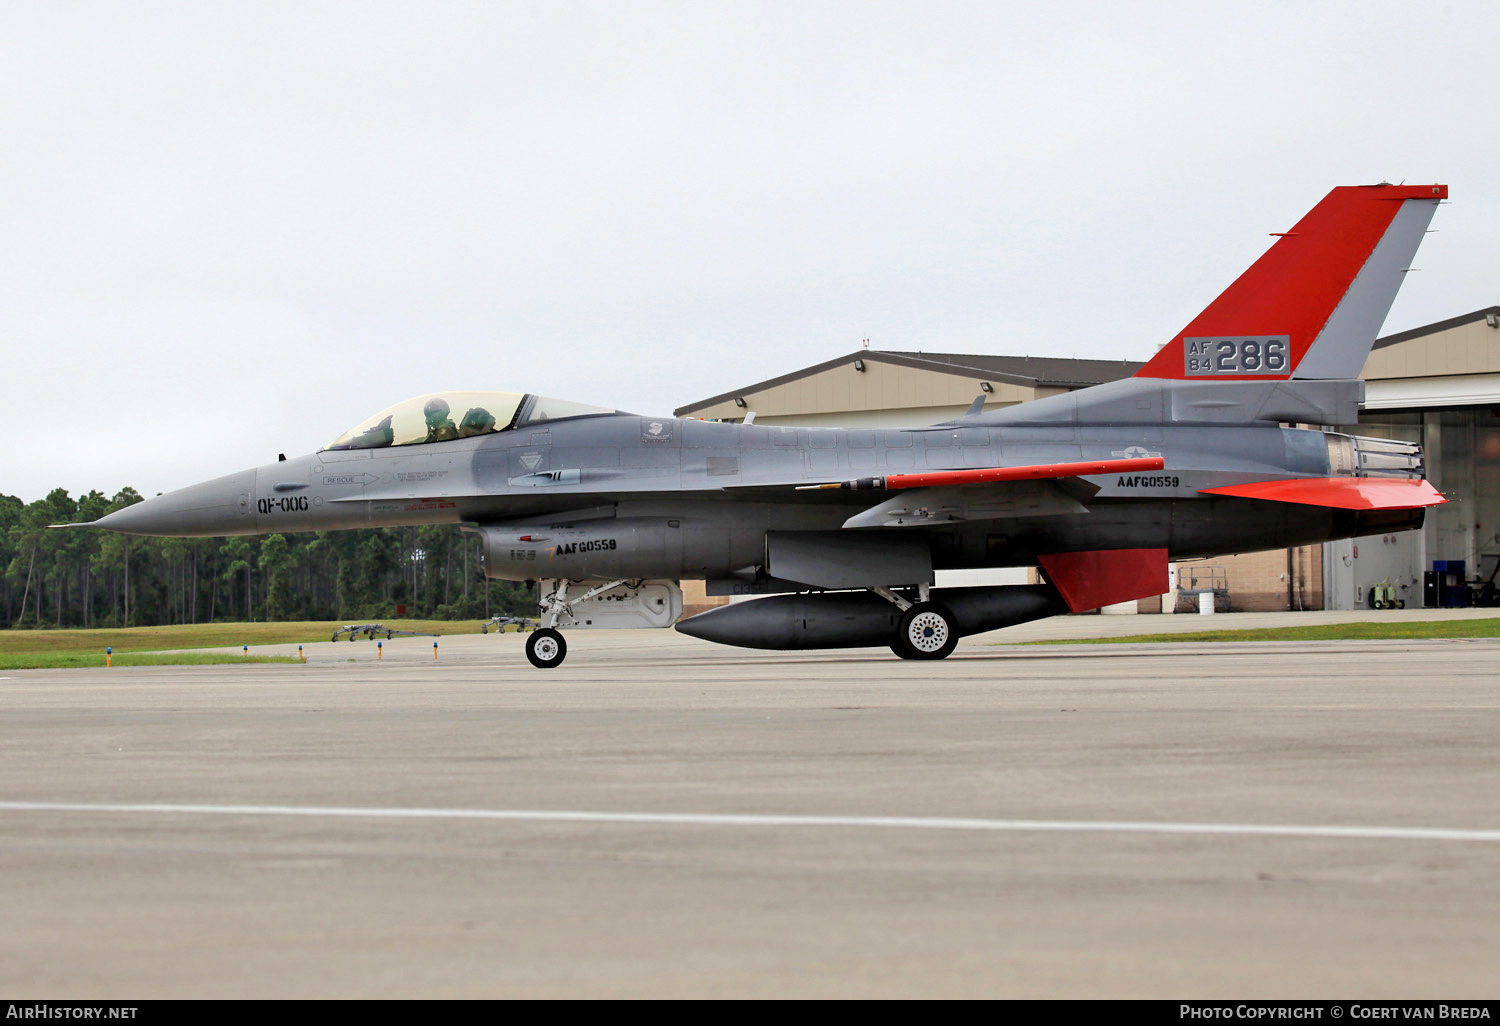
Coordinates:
1089	580
1341	492
986	475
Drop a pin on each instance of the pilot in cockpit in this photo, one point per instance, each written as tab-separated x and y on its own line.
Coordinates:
439	427
478	421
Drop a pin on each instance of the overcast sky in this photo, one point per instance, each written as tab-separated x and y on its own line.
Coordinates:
230	230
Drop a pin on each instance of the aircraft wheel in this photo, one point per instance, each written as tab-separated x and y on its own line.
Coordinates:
927	631
546	648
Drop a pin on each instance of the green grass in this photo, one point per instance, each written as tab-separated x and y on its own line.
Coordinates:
143	646
85	660
1313	632
203	635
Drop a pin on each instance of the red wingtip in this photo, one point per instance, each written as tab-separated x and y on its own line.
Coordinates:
1034	472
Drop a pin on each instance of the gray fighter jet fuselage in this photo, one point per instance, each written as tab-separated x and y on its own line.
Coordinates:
618	495
843	529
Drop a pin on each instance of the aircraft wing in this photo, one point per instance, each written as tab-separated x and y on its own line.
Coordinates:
988	475
924	507
984	493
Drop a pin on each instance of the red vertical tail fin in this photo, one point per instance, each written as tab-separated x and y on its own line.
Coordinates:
1312	306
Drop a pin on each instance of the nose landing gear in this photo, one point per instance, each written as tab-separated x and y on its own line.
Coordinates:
594	604
546	648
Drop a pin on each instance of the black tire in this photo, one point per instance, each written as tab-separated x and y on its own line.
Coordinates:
927	631
546	649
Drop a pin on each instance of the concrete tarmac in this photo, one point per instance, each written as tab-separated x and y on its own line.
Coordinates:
661	817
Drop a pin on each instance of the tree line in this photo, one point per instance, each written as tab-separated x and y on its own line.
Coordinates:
90	578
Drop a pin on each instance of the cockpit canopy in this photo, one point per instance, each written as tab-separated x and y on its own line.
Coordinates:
444	416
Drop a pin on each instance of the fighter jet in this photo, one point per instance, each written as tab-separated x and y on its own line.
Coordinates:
1201	453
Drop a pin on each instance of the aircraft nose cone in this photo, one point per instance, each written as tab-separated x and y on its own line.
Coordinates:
218	507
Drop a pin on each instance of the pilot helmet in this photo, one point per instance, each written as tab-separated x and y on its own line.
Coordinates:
436	407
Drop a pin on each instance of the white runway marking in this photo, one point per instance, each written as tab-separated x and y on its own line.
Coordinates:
752	820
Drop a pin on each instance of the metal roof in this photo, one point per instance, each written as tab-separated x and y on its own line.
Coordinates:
1027	371
1437	326
1045	371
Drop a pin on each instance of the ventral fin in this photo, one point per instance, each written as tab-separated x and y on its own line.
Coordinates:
1102	577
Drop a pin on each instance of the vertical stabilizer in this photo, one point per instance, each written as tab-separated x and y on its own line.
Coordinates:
1312	306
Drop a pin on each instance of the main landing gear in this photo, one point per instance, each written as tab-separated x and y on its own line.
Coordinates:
927	629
